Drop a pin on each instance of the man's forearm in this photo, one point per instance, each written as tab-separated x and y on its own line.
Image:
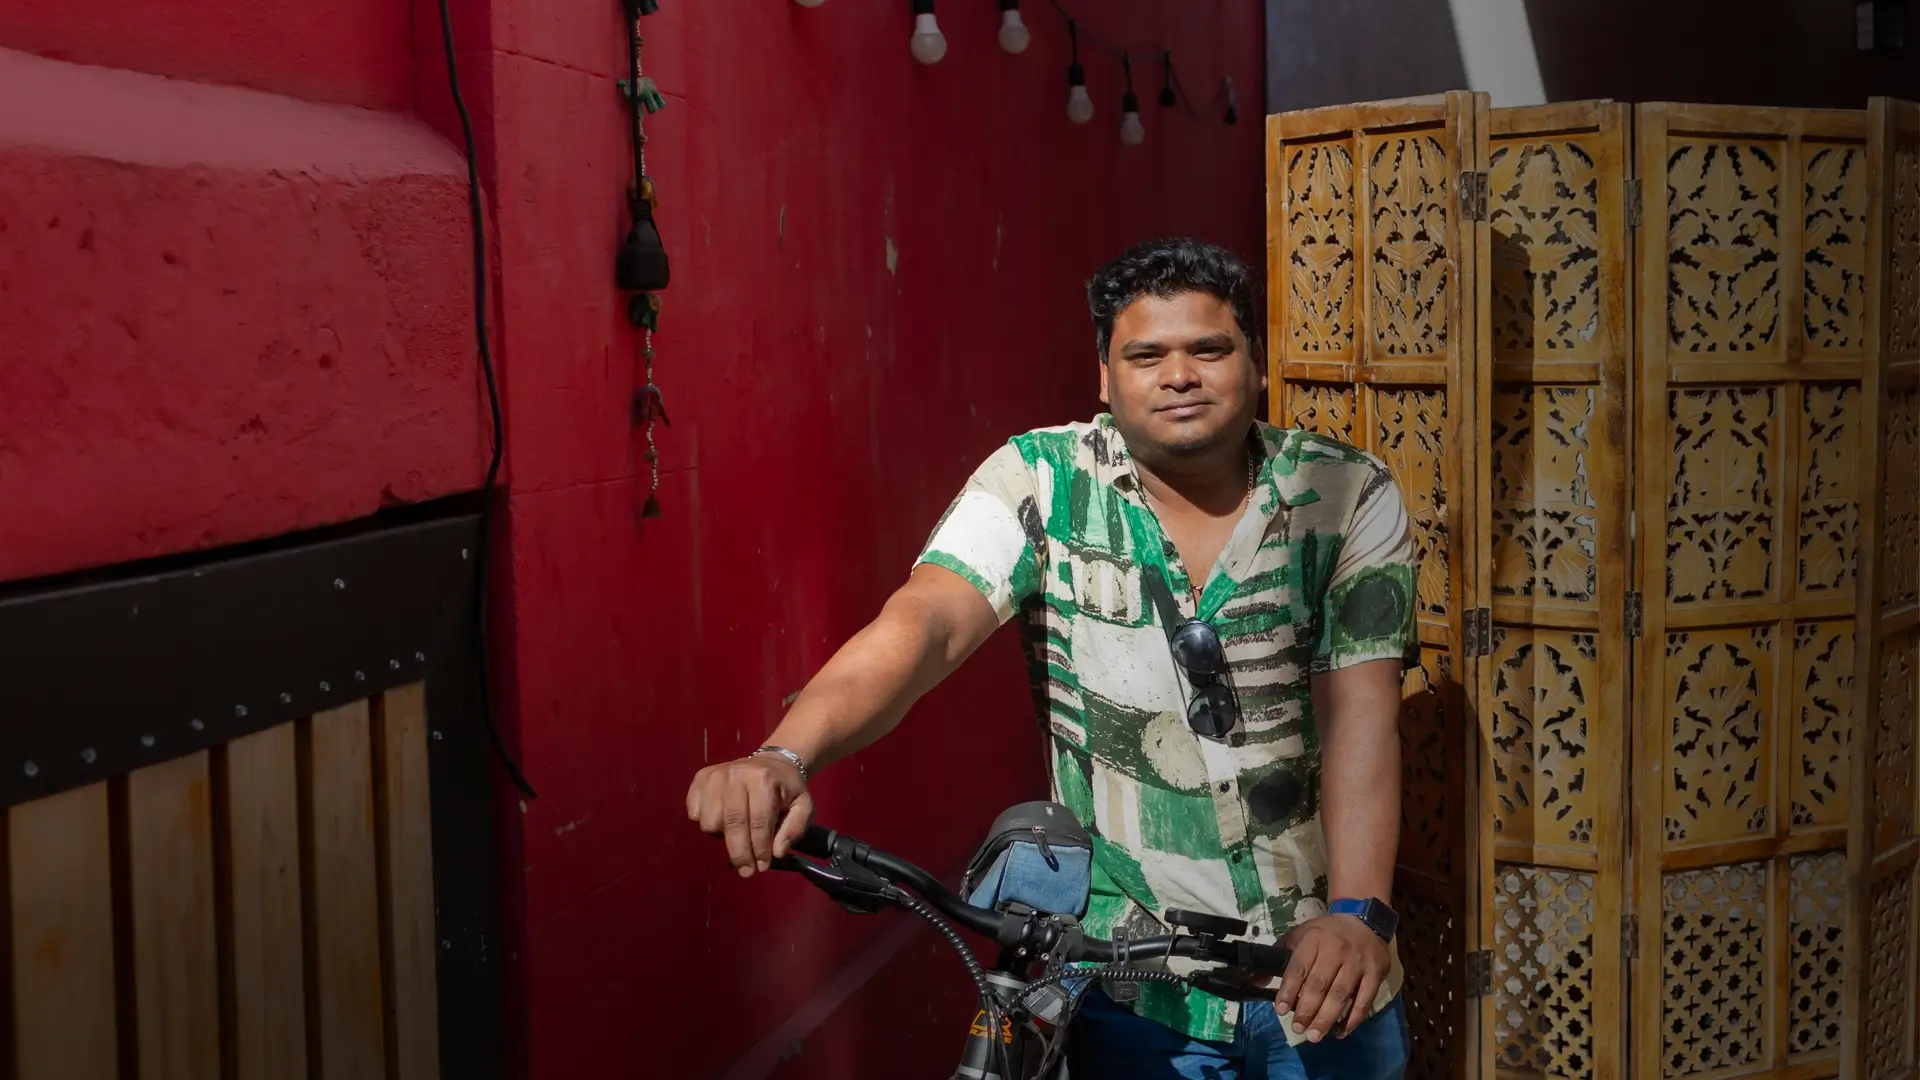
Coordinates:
1360	782
871	682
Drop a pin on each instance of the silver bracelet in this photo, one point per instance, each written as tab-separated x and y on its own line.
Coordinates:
782	751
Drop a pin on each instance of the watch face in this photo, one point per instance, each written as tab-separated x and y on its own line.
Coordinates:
1383	919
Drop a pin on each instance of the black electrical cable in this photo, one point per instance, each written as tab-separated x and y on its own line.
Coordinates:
493	405
1124	56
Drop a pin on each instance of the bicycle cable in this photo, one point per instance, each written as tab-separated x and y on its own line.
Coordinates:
1057	1042
988	1005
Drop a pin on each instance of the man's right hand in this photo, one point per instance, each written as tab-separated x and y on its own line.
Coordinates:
759	804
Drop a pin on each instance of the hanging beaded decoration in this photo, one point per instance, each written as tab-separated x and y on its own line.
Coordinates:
642	263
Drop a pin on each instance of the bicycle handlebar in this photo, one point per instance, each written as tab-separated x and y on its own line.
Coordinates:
859	876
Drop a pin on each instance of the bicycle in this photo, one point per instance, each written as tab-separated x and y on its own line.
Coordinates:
1031	1014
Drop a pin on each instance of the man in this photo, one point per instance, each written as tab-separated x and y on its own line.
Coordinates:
1218	614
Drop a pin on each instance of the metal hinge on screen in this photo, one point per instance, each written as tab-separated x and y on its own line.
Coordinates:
1480	973
1635	613
1630	936
1473	196
1476	632
1634	212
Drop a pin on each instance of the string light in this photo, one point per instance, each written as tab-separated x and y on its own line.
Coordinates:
1014	37
928	44
1079	105
1132	132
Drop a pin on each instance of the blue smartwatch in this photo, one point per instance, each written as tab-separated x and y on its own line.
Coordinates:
1377	916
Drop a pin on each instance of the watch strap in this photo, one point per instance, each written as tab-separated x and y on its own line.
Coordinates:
1376	915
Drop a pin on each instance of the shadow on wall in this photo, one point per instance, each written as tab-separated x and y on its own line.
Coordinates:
1799	53
1790	53
1332	52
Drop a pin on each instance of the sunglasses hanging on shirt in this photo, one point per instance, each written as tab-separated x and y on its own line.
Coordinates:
1214	709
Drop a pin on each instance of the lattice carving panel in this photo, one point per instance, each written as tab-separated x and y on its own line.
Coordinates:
1714	969
1723	258
1408	199
1543	971
1834	251
1325	408
1816	971
1903	314
1427	751
1544	510
1544	211
1893	743
1900	506
1429	938
1889	975
1721	503
1830	489
1321	260
1541	683
1720	737
1412	424
1823	701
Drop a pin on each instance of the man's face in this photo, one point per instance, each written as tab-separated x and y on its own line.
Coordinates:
1180	377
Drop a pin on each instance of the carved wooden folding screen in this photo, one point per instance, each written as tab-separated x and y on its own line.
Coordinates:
1882	851
1374	316
1555	710
1755	336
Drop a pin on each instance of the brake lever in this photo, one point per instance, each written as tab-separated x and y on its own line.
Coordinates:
1234	984
1242	963
848	884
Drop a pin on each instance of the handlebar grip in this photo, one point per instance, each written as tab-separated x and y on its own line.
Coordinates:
1268	959
816	841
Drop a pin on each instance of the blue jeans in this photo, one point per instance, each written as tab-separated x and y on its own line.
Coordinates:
1109	1042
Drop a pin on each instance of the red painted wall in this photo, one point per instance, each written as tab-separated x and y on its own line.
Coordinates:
828	398
877	272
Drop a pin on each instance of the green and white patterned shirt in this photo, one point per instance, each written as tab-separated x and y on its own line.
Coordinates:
1318	575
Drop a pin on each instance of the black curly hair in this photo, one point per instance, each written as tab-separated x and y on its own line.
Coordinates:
1166	268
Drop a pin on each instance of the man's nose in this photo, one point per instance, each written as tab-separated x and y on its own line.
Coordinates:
1179	372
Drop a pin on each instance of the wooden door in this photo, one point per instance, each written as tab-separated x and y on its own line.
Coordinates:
245	822
262	910
1755	406
1375	317
1557	431
1880	924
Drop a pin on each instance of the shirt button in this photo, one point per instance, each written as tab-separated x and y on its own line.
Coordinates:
1236	856
1225	787
1167	549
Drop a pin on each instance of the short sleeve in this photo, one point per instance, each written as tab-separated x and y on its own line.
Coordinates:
992	533
1368	609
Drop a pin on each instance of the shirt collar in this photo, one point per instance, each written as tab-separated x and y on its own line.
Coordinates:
1278	483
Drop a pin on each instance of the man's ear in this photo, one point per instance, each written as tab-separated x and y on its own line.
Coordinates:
1104	400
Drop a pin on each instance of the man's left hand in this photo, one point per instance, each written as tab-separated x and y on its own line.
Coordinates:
1337	968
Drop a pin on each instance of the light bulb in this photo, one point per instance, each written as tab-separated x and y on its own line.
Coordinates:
1079	105
1014	37
928	44
809	3
1132	132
